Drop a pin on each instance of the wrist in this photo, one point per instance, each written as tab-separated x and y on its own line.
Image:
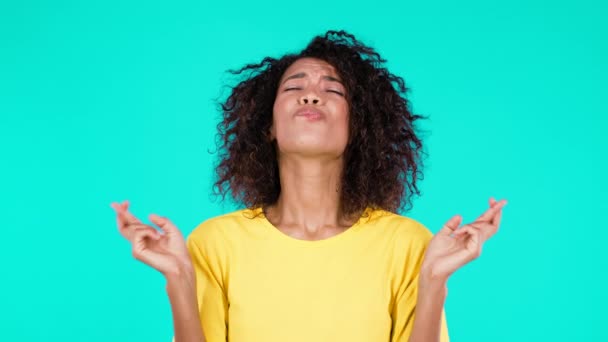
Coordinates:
432	282
182	271
430	272
432	293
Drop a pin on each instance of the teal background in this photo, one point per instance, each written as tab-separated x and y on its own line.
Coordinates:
103	101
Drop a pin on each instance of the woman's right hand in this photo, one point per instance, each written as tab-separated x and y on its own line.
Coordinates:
164	250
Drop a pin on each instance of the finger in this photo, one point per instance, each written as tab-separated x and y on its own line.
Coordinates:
164	223
127	216
487	229
497	217
124	217
123	209
140	247
489	214
120	206
466	229
475	236
120	222
451	225
142	227
128	231
475	233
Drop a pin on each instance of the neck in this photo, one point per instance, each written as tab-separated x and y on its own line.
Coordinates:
310	196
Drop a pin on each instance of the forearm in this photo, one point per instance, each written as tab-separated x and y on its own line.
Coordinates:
429	309
181	288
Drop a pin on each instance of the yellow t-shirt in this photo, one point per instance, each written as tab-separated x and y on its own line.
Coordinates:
255	283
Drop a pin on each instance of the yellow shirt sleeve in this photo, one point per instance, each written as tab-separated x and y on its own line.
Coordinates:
212	301
403	309
403	323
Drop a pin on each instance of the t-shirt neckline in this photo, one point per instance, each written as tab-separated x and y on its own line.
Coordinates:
258	213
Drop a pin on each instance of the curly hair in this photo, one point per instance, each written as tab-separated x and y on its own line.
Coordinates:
382	160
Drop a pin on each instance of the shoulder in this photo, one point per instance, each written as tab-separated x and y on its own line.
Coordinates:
403	235
399	226
405	240
222	227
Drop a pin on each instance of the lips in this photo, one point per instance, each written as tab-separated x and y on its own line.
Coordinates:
310	113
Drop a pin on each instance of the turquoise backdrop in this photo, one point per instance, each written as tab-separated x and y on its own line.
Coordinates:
103	101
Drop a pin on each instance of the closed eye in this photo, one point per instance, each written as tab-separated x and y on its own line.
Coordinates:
335	91
292	88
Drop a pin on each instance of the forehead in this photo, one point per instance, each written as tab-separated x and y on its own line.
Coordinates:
310	66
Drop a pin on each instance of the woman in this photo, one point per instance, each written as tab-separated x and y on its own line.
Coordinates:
322	149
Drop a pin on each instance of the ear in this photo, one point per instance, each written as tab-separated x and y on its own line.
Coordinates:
271	134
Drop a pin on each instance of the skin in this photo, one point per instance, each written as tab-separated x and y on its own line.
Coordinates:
310	153
451	248
310	156
166	251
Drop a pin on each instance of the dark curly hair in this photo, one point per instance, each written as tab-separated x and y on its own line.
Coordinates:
382	160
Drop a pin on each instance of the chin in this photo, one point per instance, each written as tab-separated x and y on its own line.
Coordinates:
312	144
314	149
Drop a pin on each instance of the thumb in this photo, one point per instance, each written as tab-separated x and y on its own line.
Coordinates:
451	225
164	224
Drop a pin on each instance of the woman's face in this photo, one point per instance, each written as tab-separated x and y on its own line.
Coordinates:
310	114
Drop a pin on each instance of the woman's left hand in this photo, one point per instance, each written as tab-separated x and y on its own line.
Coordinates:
453	247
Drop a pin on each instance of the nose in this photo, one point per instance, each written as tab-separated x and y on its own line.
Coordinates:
309	98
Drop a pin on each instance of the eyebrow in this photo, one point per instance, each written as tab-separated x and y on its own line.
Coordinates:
303	74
